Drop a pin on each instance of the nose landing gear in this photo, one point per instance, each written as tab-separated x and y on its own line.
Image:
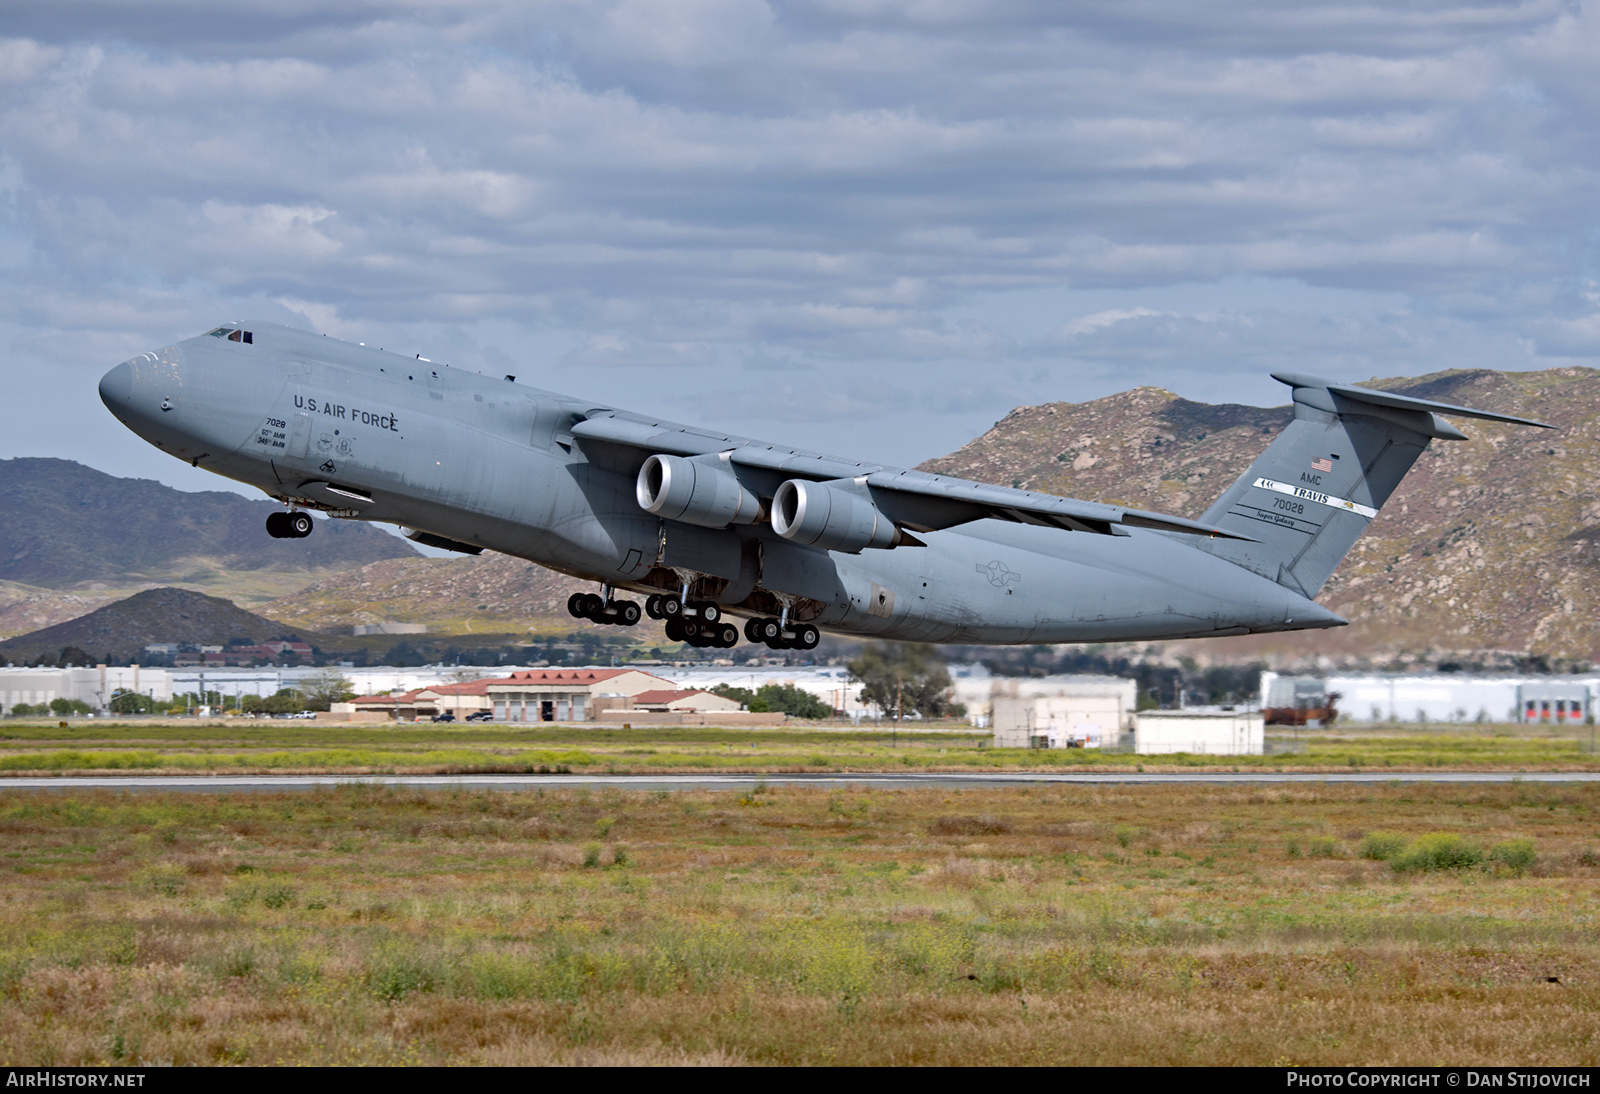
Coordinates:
289	525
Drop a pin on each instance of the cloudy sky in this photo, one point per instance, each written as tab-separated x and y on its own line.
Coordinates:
867	226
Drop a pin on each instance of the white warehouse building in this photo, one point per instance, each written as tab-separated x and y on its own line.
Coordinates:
1061	711
1200	732
1455	698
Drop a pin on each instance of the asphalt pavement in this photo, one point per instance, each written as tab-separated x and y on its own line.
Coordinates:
894	780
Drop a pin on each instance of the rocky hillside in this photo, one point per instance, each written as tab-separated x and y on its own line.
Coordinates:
118	633
487	594
24	608
70	528
1490	543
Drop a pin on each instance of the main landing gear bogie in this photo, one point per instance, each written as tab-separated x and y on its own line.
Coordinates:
769	631
597	609
294	525
698	622
698	632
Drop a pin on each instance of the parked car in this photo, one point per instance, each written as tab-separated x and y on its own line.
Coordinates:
481	716
445	717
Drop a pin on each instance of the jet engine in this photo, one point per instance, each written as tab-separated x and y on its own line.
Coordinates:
696	491
837	516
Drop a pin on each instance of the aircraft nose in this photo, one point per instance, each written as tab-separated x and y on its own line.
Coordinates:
116	388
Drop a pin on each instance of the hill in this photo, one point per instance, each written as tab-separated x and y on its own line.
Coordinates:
1489	543
68	529
488	594
119	632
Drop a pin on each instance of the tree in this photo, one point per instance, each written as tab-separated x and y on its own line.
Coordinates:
743	696
901	679
791	700
285	701
321	690
131	702
776	698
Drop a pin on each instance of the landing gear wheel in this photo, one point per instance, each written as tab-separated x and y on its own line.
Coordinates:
575	606
276	525
750	632
767	630
806	637
592	606
728	636
670	607
675	630
627	613
299	525
652	606
709	612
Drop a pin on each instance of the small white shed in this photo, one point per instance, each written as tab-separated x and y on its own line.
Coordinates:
1200	732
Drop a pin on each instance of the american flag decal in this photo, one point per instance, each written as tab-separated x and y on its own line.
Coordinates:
1320	464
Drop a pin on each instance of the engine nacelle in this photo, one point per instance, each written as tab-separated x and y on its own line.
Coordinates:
696	491
830	517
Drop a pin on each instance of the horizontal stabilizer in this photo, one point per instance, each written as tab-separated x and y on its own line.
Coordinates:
1398	402
1313	491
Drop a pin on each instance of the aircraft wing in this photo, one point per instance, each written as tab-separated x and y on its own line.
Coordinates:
914	500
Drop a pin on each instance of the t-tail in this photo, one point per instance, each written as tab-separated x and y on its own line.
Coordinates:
1319	484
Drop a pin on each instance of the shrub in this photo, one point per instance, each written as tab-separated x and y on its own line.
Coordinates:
1515	855
971	826
1438	851
395	976
237	962
1323	847
278	895
1382	846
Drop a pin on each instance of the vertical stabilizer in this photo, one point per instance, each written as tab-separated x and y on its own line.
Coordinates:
1318	485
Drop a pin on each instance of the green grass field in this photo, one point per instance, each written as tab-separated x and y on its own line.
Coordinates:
244	746
1313	924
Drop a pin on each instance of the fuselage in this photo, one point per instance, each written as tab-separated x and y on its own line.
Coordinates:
377	436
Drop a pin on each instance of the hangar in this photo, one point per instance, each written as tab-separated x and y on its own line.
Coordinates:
1446	697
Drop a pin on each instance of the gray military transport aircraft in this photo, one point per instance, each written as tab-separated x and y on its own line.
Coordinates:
706	523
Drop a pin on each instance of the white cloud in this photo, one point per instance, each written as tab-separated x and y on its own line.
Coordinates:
631	187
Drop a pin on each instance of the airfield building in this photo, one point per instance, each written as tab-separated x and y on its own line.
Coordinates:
1442	697
1061	711
1202	732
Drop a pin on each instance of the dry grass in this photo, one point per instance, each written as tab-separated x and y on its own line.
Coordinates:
243	746
1170	924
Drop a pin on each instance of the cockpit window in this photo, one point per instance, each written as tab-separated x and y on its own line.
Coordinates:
232	334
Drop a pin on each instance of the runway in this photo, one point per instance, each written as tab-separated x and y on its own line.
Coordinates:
214	784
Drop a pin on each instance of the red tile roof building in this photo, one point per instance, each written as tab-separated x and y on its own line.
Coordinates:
687	700
538	695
